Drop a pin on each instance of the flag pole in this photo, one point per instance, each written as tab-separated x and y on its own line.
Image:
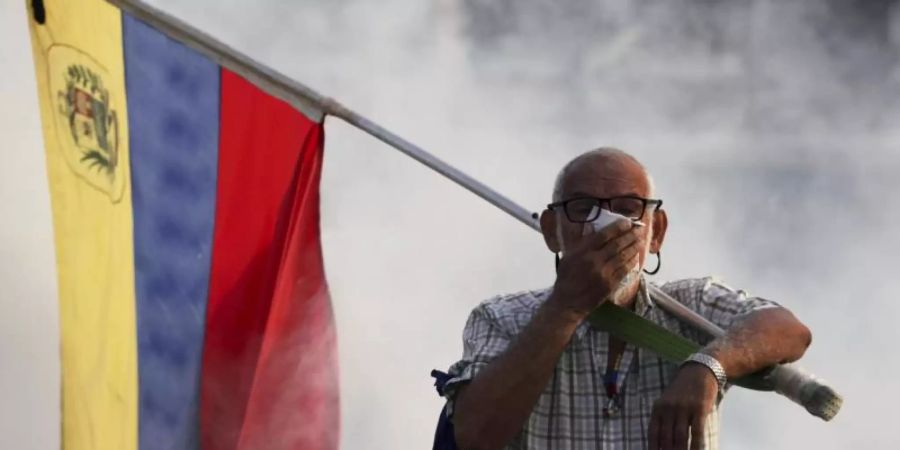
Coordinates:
478	188
316	106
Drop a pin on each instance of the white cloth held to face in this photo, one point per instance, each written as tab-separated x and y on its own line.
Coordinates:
603	220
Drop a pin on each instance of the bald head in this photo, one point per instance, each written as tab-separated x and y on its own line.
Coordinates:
604	172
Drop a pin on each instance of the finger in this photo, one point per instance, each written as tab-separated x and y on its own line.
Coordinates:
605	263
616	246
653	434
629	257
619	268
611	262
666	424
680	431
607	247
698	432
609	233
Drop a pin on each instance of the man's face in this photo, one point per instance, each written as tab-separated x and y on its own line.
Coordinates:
604	177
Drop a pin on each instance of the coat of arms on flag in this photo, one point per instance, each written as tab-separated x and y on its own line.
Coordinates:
87	125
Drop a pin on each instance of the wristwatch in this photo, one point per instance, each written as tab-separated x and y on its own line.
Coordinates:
712	364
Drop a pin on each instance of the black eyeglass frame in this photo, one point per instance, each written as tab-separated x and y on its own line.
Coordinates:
647	202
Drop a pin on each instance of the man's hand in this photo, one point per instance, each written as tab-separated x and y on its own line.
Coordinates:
591	270
757	340
682	409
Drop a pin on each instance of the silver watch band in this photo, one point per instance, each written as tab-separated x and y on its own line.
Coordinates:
711	363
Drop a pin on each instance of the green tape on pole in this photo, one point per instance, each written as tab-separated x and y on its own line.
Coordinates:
645	334
641	332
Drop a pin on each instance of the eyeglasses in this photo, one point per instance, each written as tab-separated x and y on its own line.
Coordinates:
582	209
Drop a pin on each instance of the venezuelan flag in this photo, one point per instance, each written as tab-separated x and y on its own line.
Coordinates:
193	304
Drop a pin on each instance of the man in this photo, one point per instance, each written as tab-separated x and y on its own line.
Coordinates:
535	375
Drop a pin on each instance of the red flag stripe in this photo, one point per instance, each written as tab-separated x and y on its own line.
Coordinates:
295	394
263	156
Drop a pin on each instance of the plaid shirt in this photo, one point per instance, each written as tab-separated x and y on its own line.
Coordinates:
569	415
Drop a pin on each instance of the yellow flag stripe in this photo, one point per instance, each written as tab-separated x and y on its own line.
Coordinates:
79	67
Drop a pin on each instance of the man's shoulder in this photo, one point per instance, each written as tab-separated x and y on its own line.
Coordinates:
516	302
687	290
512	311
714	299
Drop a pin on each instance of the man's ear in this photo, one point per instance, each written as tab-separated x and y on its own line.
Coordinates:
660	224
548	229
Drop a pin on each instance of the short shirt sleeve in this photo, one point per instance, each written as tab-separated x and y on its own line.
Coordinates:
483	341
715	301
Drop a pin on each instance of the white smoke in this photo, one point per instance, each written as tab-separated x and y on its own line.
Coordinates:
769	127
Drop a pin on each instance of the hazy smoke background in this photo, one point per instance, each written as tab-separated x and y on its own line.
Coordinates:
771	129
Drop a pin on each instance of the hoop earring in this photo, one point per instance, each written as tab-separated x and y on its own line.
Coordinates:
658	264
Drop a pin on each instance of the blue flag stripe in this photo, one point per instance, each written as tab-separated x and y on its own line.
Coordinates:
173	115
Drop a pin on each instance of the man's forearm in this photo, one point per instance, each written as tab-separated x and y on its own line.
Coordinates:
492	409
761	339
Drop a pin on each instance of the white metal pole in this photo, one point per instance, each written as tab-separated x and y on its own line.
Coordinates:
332	107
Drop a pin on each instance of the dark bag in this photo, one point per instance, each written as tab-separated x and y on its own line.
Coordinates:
444	437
